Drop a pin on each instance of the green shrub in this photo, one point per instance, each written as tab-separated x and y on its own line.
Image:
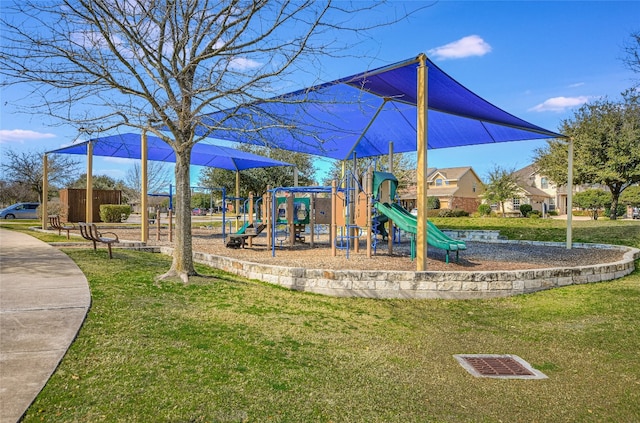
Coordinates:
484	210
525	209
433	203
452	213
620	210
114	213
553	213
534	214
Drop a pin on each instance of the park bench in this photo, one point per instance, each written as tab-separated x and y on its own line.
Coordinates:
55	223
89	231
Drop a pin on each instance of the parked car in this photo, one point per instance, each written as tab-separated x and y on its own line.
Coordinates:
20	211
636	213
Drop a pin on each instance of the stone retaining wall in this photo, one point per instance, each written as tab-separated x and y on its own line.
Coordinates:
473	235
415	285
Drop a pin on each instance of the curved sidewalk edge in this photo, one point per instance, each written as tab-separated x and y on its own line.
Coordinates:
44	299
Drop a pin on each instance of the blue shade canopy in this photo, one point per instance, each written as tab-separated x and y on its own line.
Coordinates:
128	146
362	113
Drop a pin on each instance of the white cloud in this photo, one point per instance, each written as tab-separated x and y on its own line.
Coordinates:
22	135
560	104
241	63
471	45
576	85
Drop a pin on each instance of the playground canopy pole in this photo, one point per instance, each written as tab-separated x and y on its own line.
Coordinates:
352	206
144	214
171	213
312	219
250	218
45	191
237	198
89	191
570	196
369	189
421	174
333	230
390	237
268	215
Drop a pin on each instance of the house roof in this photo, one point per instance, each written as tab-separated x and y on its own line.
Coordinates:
450	173
534	192
526	173
526	181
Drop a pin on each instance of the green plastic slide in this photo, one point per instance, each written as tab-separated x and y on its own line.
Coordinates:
409	223
432	229
243	228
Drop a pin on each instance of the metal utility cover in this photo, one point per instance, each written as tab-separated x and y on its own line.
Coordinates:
498	366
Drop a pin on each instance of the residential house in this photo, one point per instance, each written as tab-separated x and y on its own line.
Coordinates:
455	187
537	191
540	192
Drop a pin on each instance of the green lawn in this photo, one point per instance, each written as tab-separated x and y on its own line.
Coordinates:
604	231
224	349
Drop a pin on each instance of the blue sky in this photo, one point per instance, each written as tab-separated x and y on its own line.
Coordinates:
537	60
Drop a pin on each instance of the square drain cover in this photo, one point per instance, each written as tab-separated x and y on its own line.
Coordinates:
500	366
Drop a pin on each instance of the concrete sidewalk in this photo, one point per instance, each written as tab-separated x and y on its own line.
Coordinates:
44	298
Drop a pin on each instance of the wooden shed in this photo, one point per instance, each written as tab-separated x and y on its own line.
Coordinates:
73	203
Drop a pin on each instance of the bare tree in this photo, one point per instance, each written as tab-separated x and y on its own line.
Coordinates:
25	168
632	53
15	192
160	65
158	178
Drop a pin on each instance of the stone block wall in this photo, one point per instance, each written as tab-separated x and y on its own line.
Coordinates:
427	284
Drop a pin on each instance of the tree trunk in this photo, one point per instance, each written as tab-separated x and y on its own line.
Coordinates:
182	265
613	212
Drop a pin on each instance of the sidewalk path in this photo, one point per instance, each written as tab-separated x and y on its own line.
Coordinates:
44	298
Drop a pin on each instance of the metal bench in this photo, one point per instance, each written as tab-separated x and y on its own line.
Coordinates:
89	231
55	223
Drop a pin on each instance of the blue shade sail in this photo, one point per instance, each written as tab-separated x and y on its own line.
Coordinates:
362	113
128	146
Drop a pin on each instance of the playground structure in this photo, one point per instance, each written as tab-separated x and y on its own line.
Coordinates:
225	200
359	208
